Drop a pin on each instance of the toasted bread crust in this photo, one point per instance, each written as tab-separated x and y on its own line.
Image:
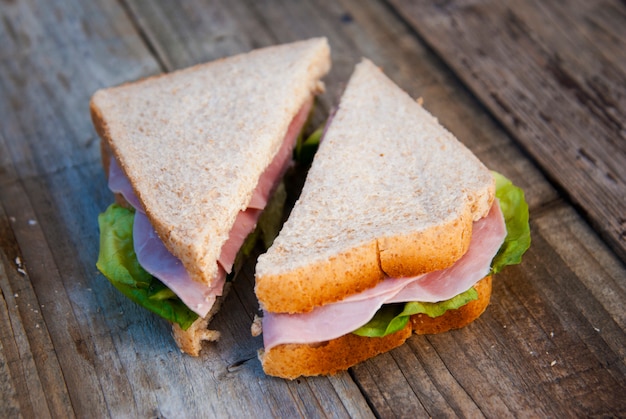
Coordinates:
190	341
426	251
455	319
293	360
332	280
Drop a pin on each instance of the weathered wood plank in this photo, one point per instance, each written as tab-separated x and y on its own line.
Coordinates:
29	341
63	53
98	353
601	281
8	392
539	69
20	393
199	31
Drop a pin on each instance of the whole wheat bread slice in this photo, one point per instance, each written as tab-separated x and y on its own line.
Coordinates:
390	193
194	142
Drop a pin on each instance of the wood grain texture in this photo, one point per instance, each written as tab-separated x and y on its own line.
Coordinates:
553	73
551	343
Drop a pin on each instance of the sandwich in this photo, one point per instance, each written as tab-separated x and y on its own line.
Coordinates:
194	157
398	230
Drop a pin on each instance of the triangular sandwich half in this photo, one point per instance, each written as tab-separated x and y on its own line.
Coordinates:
197	153
395	215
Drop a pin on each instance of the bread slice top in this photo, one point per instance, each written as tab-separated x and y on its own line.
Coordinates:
195	141
390	193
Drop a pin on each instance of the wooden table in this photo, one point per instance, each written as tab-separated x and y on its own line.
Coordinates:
537	89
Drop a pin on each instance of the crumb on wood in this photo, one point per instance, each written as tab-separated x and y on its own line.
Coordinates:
256	328
19	266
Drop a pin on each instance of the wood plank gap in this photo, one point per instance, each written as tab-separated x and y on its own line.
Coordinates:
151	46
262	21
437	378
547	207
364	393
21	392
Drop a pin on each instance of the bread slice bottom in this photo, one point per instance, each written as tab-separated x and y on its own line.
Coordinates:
190	341
294	360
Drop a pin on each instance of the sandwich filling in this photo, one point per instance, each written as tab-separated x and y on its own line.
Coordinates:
498	239
158	261
337	319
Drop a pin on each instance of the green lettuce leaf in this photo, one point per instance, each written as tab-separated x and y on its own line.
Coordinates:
394	317
305	148
118	263
515	211
271	219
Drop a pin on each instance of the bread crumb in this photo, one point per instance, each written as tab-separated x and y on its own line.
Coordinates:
20	267
256	328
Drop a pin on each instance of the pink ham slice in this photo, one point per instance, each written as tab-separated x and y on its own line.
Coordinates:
244	225
473	266
334	320
119	183
154	257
